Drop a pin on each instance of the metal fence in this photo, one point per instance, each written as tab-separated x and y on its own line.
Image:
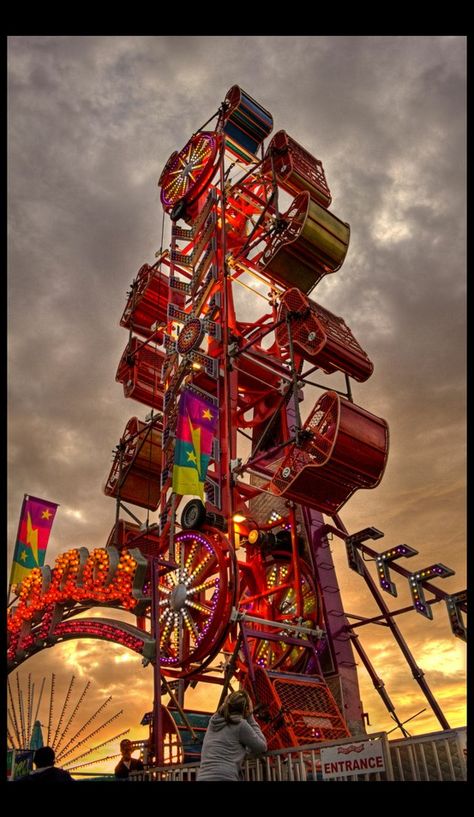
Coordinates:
436	756
303	763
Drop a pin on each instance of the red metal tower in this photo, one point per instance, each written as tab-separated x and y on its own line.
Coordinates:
247	573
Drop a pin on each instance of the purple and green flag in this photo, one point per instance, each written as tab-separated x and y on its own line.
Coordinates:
197	423
36	521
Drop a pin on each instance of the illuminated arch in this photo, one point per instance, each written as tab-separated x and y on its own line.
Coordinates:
104	629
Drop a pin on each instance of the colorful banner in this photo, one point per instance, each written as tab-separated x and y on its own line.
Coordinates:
197	423
22	763
36	521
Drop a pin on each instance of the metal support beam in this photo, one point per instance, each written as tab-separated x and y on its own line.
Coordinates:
418	673
377	681
157	715
339	642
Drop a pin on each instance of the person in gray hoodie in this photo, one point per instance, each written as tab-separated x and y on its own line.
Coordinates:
232	733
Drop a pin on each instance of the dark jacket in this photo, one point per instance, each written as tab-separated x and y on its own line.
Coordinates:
49	775
135	766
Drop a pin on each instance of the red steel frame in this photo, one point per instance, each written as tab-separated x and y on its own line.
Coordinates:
272	608
236	230
251	365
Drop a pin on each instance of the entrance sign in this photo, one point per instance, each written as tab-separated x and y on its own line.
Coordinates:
352	758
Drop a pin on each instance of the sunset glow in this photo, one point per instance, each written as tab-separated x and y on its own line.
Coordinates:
91	123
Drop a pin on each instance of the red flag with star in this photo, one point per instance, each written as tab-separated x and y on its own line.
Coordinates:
36	521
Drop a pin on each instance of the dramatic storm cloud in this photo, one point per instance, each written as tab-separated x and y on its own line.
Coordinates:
91	122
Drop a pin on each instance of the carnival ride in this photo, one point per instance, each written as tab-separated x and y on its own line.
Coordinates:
248	574
33	721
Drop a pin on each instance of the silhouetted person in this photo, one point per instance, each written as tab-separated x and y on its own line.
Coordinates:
232	734
128	763
46	771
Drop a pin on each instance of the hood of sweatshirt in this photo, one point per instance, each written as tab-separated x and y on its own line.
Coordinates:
217	722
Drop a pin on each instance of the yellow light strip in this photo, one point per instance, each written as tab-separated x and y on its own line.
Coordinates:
205	586
173	578
201	607
191	556
200	566
190	624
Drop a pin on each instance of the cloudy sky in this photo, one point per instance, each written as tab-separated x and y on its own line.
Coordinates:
91	122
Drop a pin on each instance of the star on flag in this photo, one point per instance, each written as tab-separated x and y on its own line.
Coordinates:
34	527
195	431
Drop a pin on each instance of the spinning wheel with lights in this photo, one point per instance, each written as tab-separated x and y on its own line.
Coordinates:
195	600
188	172
268	591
